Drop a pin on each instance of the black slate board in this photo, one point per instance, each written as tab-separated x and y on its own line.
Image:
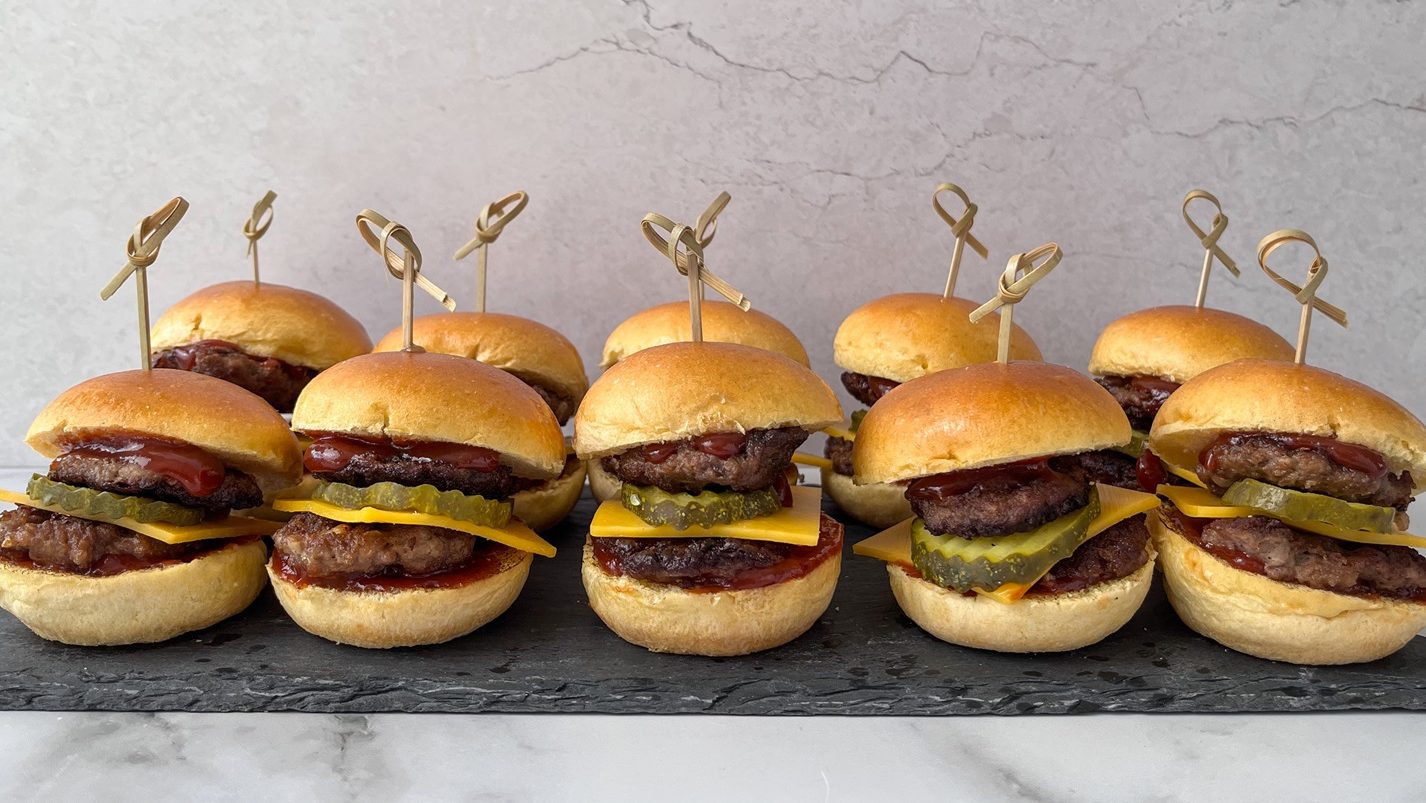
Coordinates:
550	653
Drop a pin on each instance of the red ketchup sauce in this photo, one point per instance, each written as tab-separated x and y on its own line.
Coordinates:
199	472
722	445
879	386
1359	458
331	452
940	488
800	562
1150	471
489	560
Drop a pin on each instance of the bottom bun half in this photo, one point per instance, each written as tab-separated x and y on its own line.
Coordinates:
545	506
408	618
1054	623
878	505
135	607
665	618
1264	618
602	484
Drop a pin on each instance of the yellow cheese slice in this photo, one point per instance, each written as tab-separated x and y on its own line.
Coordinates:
1184	474
806	459
1202	504
800	525
893	544
228	527
515	534
841	432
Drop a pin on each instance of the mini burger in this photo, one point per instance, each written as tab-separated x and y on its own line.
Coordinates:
1012	547
891	340
265	338
1145	356
670	323
128	539
403	532
1294	547
536	355
708	549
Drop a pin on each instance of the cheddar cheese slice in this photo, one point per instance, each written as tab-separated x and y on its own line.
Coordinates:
800	524
840	432
893	544
1184	474
227	527
515	534
1202	504
805	459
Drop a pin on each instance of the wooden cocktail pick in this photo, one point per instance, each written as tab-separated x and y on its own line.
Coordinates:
1306	294
489	223
256	226
1209	240
689	260
142	250
961	229
1021	273
378	232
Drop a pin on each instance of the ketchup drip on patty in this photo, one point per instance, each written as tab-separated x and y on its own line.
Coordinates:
330	453
199	472
722	445
940	488
1357	458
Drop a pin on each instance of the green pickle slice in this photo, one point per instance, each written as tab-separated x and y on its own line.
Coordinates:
857	416
704	509
967	564
109	505
1303	506
1135	447
421	499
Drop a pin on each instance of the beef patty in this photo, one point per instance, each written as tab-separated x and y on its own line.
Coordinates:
368	468
1140	396
1263	457
1115	553
1281	553
765	455
80	546
1001	499
1111	468
562	405
324	548
708	562
105	473
867	389
277	382
839	451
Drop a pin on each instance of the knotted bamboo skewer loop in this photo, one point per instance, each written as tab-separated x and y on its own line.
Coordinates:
142	250
667	236
1209	240
1021	273
961	229
489	223
1306	293
256	226
379	232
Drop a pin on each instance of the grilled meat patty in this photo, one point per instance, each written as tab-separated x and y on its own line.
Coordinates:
277	382
112	473
682	468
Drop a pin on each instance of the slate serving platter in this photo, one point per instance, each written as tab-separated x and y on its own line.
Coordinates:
550	653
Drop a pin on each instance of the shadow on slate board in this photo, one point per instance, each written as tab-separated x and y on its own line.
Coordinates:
550	653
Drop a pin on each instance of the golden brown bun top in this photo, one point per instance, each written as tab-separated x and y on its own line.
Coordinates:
983	415
218	417
908	335
525	348
722	323
1181	342
435	397
1272	396
266	320
679	390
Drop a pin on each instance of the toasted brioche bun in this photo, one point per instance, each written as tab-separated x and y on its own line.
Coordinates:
525	348
1252	614
679	390
435	397
1181	342
546	505
877	505
134	607
382	620
1033	624
666	618
218	417
1271	396
265	320
982	415
602	485
908	335
722	323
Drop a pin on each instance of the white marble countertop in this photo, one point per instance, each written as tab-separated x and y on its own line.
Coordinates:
389	757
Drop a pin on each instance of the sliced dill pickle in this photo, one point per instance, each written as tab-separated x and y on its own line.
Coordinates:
1291	505
857	416
985	564
1135	447
109	505
704	509
421	499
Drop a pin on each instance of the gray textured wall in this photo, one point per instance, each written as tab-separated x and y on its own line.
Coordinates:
1082	122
